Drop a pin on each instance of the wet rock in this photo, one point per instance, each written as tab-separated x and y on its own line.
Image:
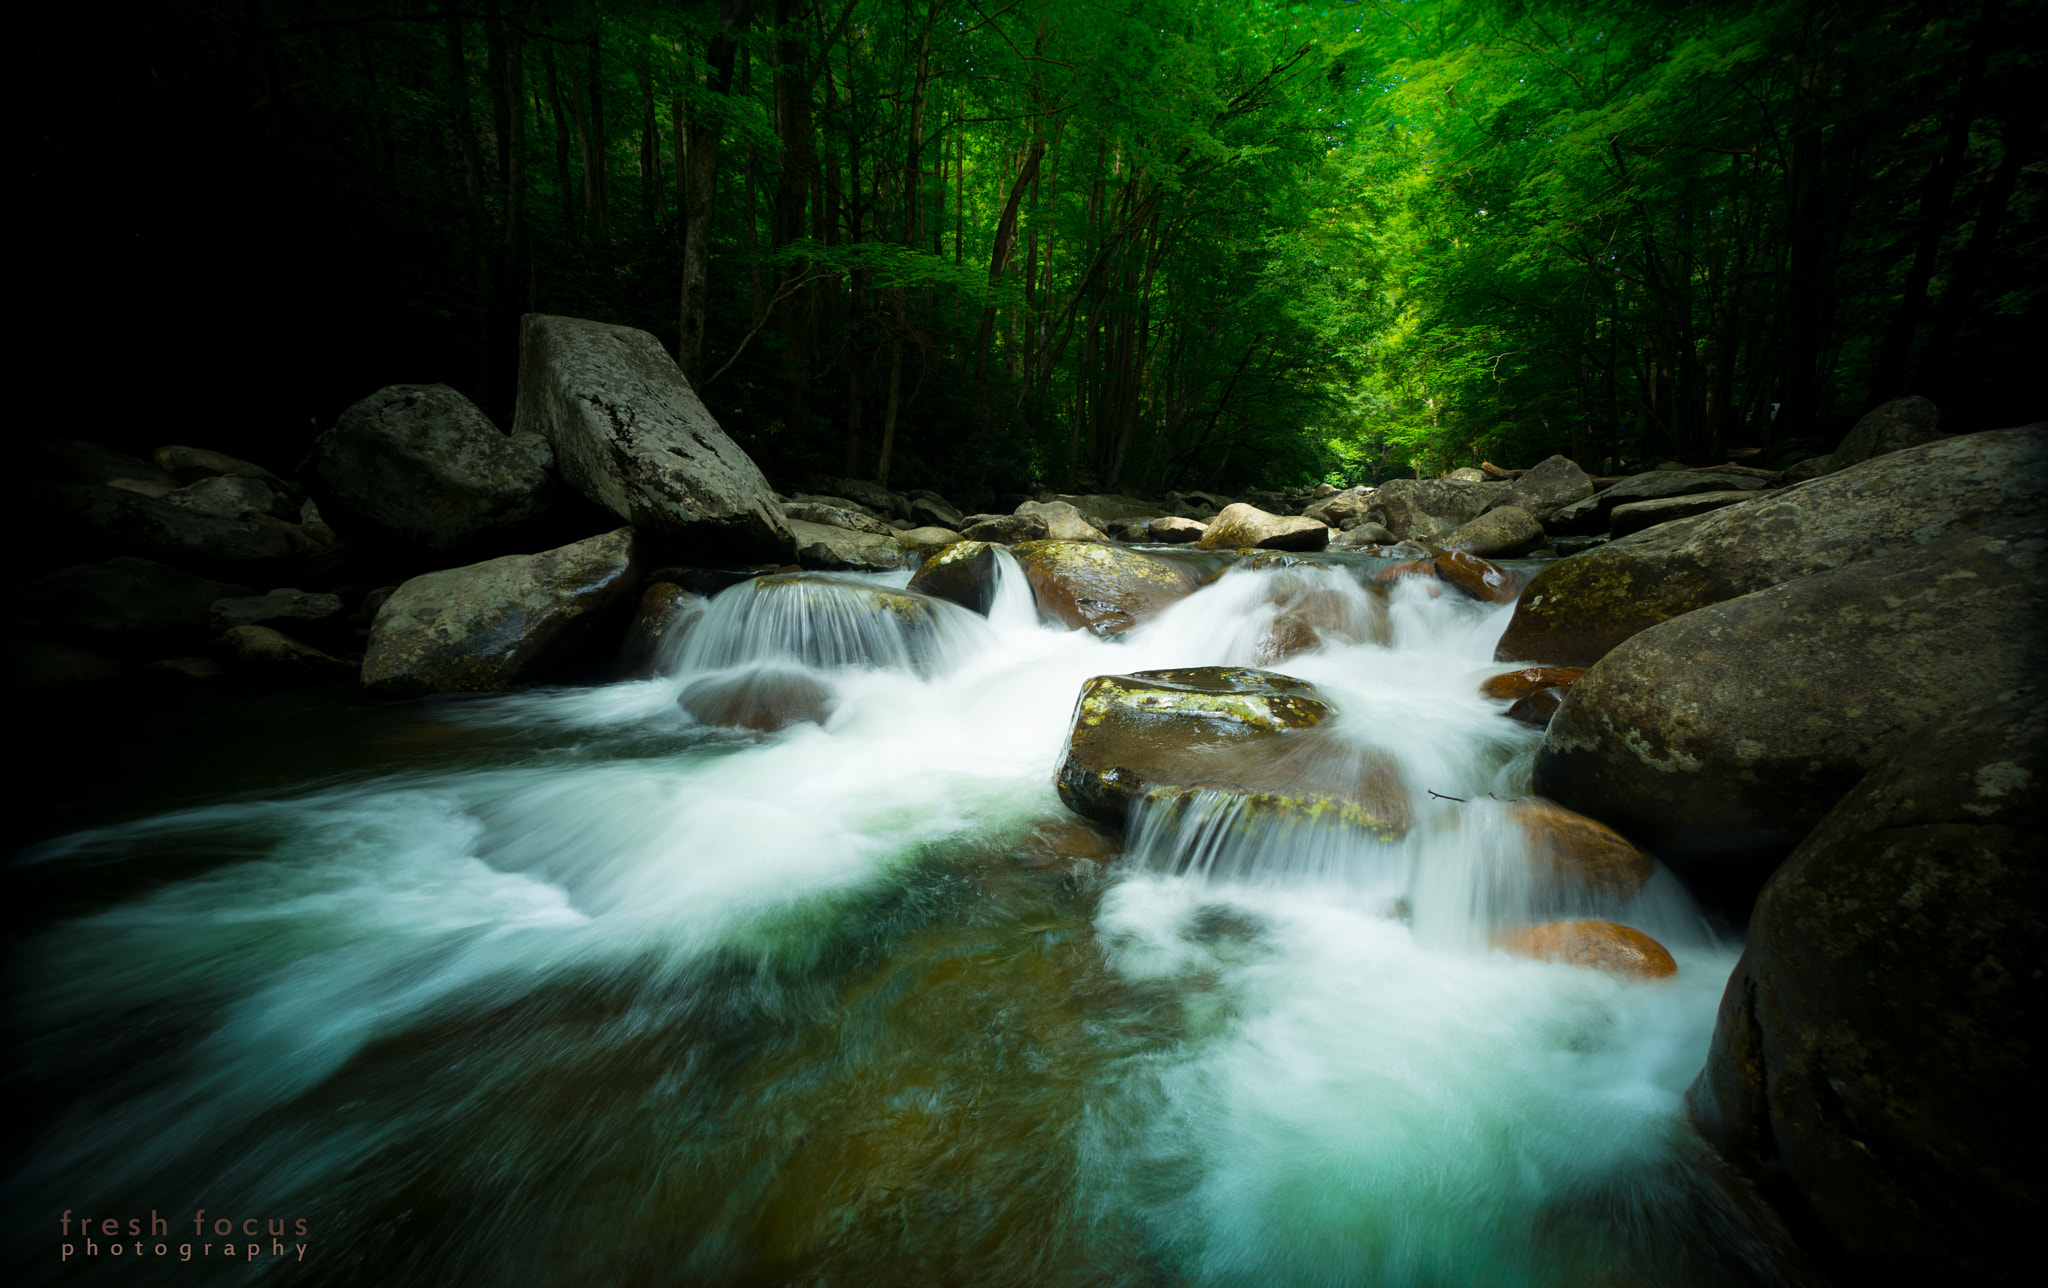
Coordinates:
660	624
1506	530
763	699
1580	854
1361	535
1059	843
287	607
1313	613
1344	510
919	542
1246	527
838	550
128	606
1720	738
1598	945
188	465
1522	683
420	467
1894	427
832	516
1062	521
1638	515
1175	529
1552	484
1005	529
1289	636
631	435
1876	1068
1537	708
1578	609
1426	508
1484	581
709	581
1102	588
1173	728
518	619
963	573
263	653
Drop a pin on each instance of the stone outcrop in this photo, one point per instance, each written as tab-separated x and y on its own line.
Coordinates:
1718	739
1877	1065
422	468
1246	527
1638	515
631	435
188	465
1894	427
1578	609
1504	531
1426	508
1102	588
842	550
1549	486
1594	514
517	619
268	655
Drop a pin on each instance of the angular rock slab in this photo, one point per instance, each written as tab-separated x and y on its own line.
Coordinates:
1552	484
512	620
1718	739
1634	517
843	550
1578	609
422	467
1878	1059
632	436
1102	588
1505	530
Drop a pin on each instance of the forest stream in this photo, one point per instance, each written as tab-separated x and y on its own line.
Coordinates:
561	986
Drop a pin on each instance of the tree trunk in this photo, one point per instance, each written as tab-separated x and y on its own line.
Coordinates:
698	175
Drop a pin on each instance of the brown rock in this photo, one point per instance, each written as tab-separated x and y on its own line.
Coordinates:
1488	582
1580	853
1537	708
1522	683
1601	945
1099	587
964	573
1246	527
764	700
664	617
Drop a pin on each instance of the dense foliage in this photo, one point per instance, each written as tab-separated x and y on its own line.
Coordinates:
1127	245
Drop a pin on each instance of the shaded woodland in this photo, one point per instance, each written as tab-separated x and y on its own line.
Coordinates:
1123	246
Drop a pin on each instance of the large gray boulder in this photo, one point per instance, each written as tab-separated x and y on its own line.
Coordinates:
1247	527
631	435
1638	515
1894	427
1877	1065
1342	510
833	516
125	605
1549	486
420	467
1506	530
1005	528
839	550
1062	521
1594	513
1426	508
1578	609
517	619
1719	738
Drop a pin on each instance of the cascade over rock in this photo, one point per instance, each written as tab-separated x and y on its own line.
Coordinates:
421	467
1878	1060
517	619
1103	588
1719	738
964	573
632	436
1578	609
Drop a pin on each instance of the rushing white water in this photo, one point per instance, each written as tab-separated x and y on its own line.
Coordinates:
779	1005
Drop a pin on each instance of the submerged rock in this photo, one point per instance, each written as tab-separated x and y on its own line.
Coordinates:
1579	854
1246	527
1580	608
518	619
1600	945
763	699
632	436
1721	737
1102	588
421	467
1877	1065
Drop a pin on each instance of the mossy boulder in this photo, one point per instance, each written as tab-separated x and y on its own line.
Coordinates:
1579	609
1098	587
1719	739
518	619
963	572
841	550
1877	1065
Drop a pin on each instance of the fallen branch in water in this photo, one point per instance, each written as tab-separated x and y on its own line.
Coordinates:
1440	796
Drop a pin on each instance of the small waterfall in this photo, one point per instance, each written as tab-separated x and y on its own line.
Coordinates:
830	623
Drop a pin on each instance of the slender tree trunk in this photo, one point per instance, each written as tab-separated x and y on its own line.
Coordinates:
698	177
793	187
2023	133
565	184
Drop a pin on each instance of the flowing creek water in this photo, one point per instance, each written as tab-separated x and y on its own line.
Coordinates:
563	986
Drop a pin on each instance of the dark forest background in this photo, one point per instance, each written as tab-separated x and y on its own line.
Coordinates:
979	245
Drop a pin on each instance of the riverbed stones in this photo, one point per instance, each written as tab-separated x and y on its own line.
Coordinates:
1597	945
1005	529
420	467
1246	527
1893	427
1104	589
842	550
1062	521
1578	609
188	465
517	619
1876	1068
1505	531
1638	515
1427	508
833	516
963	573
126	605
1549	486
1343	510
1719	738
632	436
